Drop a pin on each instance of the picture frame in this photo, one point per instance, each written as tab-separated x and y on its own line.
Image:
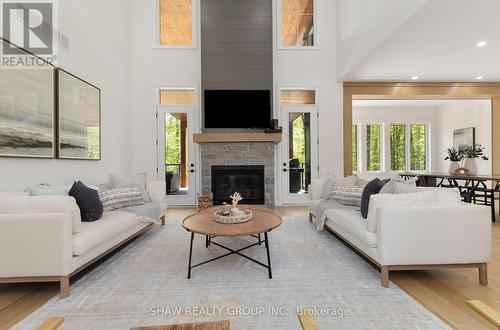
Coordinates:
464	137
27	109
78	118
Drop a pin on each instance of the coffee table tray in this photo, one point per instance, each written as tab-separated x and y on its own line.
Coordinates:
231	219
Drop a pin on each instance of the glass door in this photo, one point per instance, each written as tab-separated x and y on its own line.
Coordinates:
299	154
175	153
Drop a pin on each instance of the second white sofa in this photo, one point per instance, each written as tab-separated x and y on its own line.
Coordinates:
447	234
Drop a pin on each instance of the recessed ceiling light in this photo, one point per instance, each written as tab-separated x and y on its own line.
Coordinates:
481	44
414	78
479	77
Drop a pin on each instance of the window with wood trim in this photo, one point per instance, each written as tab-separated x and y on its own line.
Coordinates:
297	23
176	22
177	97
298	96
355	148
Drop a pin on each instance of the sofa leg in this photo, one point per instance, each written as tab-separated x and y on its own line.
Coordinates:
64	287
162	220
483	274
310	217
384	276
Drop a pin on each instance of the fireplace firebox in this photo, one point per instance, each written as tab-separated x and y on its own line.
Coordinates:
248	180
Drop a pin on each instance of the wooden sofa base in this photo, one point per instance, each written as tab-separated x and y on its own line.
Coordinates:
384	270
64	280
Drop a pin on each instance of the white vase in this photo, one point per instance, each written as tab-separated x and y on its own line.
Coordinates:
454	166
470	165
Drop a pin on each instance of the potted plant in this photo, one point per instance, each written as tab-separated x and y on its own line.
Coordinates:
454	156
471	153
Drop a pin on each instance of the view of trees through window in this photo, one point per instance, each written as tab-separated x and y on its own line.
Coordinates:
354	148
398	147
93	142
417	146
373	147
299	134
172	143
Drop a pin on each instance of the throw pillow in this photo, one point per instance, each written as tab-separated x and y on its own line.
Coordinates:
117	198
373	187
346	195
88	201
123	181
406	186
45	189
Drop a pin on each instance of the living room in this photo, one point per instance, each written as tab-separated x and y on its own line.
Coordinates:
255	164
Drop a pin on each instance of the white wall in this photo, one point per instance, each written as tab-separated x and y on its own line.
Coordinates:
98	53
316	68
463	114
153	68
388	115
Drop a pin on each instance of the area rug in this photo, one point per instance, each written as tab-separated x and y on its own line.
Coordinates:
145	284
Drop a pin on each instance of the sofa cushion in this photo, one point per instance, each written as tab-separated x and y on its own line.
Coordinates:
418	199
373	187
88	201
43	189
43	204
117	198
97	232
352	222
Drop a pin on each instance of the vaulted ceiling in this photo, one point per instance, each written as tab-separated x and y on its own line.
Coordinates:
434	40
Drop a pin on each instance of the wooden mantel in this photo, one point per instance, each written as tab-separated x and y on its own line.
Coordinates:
237	137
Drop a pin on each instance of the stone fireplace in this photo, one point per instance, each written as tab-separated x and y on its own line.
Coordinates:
239	154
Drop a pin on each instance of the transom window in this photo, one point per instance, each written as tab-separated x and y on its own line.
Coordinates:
177	97
176	22
297	25
298	96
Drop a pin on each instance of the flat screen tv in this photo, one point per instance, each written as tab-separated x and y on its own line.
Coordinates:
237	108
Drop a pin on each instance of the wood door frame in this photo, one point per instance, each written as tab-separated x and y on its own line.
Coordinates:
425	90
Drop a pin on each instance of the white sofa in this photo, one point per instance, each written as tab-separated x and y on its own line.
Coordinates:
42	238
449	234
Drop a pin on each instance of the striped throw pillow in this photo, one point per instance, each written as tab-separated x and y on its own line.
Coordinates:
117	198
346	195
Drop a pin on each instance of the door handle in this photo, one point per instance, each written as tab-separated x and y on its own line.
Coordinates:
284	170
192	171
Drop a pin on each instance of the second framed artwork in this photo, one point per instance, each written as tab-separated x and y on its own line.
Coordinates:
78	118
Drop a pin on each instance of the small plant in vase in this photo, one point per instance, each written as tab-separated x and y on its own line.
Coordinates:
471	153
454	156
236	197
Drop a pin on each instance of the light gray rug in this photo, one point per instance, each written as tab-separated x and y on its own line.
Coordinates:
145	284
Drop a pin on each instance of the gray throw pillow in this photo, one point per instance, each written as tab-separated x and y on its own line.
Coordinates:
389	187
373	187
122	181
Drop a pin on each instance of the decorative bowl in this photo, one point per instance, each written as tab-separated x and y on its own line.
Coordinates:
219	217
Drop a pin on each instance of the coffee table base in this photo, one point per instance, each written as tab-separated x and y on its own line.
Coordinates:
209	241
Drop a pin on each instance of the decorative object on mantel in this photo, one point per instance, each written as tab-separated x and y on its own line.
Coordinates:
244	216
471	153
205	202
455	156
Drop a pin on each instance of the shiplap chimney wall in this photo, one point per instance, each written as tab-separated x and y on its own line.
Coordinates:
236	44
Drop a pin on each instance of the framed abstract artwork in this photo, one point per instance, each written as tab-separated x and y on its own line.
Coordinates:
27	102
464	137
79	118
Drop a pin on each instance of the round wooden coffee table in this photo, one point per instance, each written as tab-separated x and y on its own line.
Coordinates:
202	223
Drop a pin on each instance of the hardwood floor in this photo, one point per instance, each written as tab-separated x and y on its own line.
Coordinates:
443	292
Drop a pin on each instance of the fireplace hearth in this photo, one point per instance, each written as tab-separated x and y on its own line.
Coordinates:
248	180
